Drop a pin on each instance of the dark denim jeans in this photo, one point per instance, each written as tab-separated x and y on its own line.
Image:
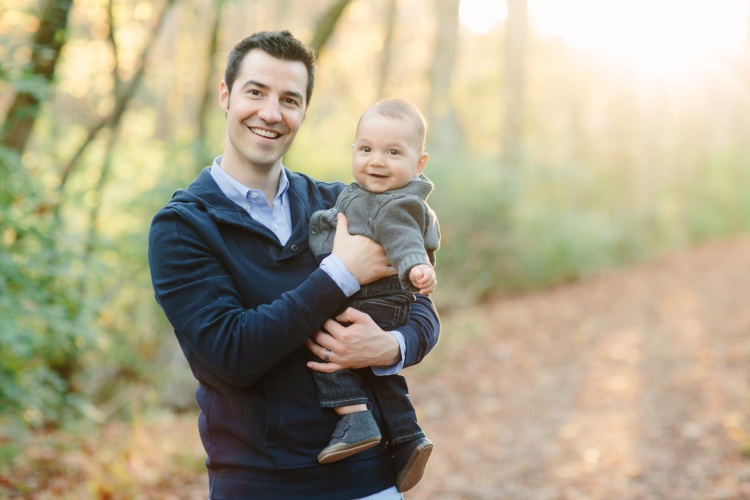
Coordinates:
388	305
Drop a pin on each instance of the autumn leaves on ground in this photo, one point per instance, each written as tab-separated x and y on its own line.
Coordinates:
632	385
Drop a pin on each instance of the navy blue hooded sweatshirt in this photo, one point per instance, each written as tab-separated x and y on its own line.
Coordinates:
241	305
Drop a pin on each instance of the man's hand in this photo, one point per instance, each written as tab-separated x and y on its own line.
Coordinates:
423	277
359	345
363	257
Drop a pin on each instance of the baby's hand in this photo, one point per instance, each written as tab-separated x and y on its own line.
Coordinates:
423	277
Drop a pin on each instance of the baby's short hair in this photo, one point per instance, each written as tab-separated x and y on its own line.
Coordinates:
403	109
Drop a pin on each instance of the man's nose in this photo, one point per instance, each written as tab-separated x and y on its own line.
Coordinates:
270	112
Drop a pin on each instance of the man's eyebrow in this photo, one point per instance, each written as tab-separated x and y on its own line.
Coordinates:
255	83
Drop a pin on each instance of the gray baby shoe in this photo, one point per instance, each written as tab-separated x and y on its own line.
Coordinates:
410	460
354	432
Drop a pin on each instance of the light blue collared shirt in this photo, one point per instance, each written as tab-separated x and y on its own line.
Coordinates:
279	220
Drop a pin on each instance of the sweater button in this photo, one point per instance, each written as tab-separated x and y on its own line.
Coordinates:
294	248
314	230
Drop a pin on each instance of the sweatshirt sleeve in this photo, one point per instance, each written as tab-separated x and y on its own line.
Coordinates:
399	226
202	302
422	331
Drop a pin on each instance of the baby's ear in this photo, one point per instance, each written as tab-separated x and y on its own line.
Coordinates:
422	163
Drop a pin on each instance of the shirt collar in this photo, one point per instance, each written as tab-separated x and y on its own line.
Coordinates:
238	192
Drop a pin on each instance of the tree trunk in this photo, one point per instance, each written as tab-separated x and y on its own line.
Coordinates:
326	24
210	90
385	62
517	26
445	132
46	45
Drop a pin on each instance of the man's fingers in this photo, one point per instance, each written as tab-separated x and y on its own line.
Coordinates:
350	315
323	367
315	348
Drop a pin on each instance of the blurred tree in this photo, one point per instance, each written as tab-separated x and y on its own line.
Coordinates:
280	12
39	330
46	45
46	270
209	88
445	131
385	61
326	25
515	60
124	91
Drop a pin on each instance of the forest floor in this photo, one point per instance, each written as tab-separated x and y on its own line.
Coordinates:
630	385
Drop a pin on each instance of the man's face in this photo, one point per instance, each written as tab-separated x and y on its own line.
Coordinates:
386	155
265	109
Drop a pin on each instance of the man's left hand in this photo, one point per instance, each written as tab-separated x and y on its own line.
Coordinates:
360	344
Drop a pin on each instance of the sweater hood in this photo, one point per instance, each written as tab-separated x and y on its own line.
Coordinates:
204	194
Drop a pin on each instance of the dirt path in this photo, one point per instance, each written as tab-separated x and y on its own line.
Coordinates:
634	385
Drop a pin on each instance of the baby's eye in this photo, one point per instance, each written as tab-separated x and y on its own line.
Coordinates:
393	152
366	149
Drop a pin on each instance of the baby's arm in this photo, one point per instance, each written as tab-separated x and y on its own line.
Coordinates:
423	277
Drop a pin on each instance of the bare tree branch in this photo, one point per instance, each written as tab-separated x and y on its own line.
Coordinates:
122	99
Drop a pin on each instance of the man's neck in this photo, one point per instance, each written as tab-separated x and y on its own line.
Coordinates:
254	177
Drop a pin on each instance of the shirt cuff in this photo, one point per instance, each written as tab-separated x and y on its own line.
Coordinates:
382	371
338	272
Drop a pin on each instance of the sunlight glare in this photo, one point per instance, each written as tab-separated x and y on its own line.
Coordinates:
657	35
481	16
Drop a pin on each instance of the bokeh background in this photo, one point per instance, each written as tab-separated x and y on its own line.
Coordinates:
566	140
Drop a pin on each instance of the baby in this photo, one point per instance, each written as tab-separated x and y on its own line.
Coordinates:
388	204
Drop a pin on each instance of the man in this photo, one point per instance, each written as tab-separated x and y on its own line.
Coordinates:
231	268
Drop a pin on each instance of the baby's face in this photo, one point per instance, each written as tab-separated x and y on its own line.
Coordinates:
386	153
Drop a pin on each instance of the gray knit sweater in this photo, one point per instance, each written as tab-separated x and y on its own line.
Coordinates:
400	220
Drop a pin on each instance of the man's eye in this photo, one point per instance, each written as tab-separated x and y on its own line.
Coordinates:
292	102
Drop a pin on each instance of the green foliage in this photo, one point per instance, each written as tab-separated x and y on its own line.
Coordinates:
82	325
513	230
715	204
45	332
474	202
33	85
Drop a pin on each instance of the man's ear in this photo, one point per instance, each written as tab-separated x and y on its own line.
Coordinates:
422	163
224	96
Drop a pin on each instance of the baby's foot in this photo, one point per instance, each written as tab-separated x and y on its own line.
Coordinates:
410	460
354	432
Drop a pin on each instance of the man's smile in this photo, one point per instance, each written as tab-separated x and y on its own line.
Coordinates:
265	133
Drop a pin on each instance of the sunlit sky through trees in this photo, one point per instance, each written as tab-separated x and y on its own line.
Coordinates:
654	36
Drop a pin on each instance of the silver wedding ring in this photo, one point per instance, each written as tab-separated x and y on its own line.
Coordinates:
327	356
